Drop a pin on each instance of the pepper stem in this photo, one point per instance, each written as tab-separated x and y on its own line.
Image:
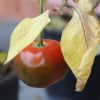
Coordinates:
40	41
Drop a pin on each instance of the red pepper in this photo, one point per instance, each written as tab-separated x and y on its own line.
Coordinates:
41	66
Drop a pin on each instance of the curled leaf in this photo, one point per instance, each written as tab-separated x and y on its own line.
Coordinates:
85	67
25	33
80	40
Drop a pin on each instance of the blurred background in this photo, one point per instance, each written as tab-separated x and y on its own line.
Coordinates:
11	13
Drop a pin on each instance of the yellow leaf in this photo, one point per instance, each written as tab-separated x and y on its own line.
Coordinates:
80	40
25	33
85	67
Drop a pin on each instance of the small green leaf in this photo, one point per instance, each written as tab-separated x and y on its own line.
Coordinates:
3	57
25	33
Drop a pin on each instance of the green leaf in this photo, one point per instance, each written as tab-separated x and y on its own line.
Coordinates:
25	33
3	57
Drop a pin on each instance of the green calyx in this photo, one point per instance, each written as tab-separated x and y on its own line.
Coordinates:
35	45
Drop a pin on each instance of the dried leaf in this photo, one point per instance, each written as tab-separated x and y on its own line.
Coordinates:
25	33
80	40
85	67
